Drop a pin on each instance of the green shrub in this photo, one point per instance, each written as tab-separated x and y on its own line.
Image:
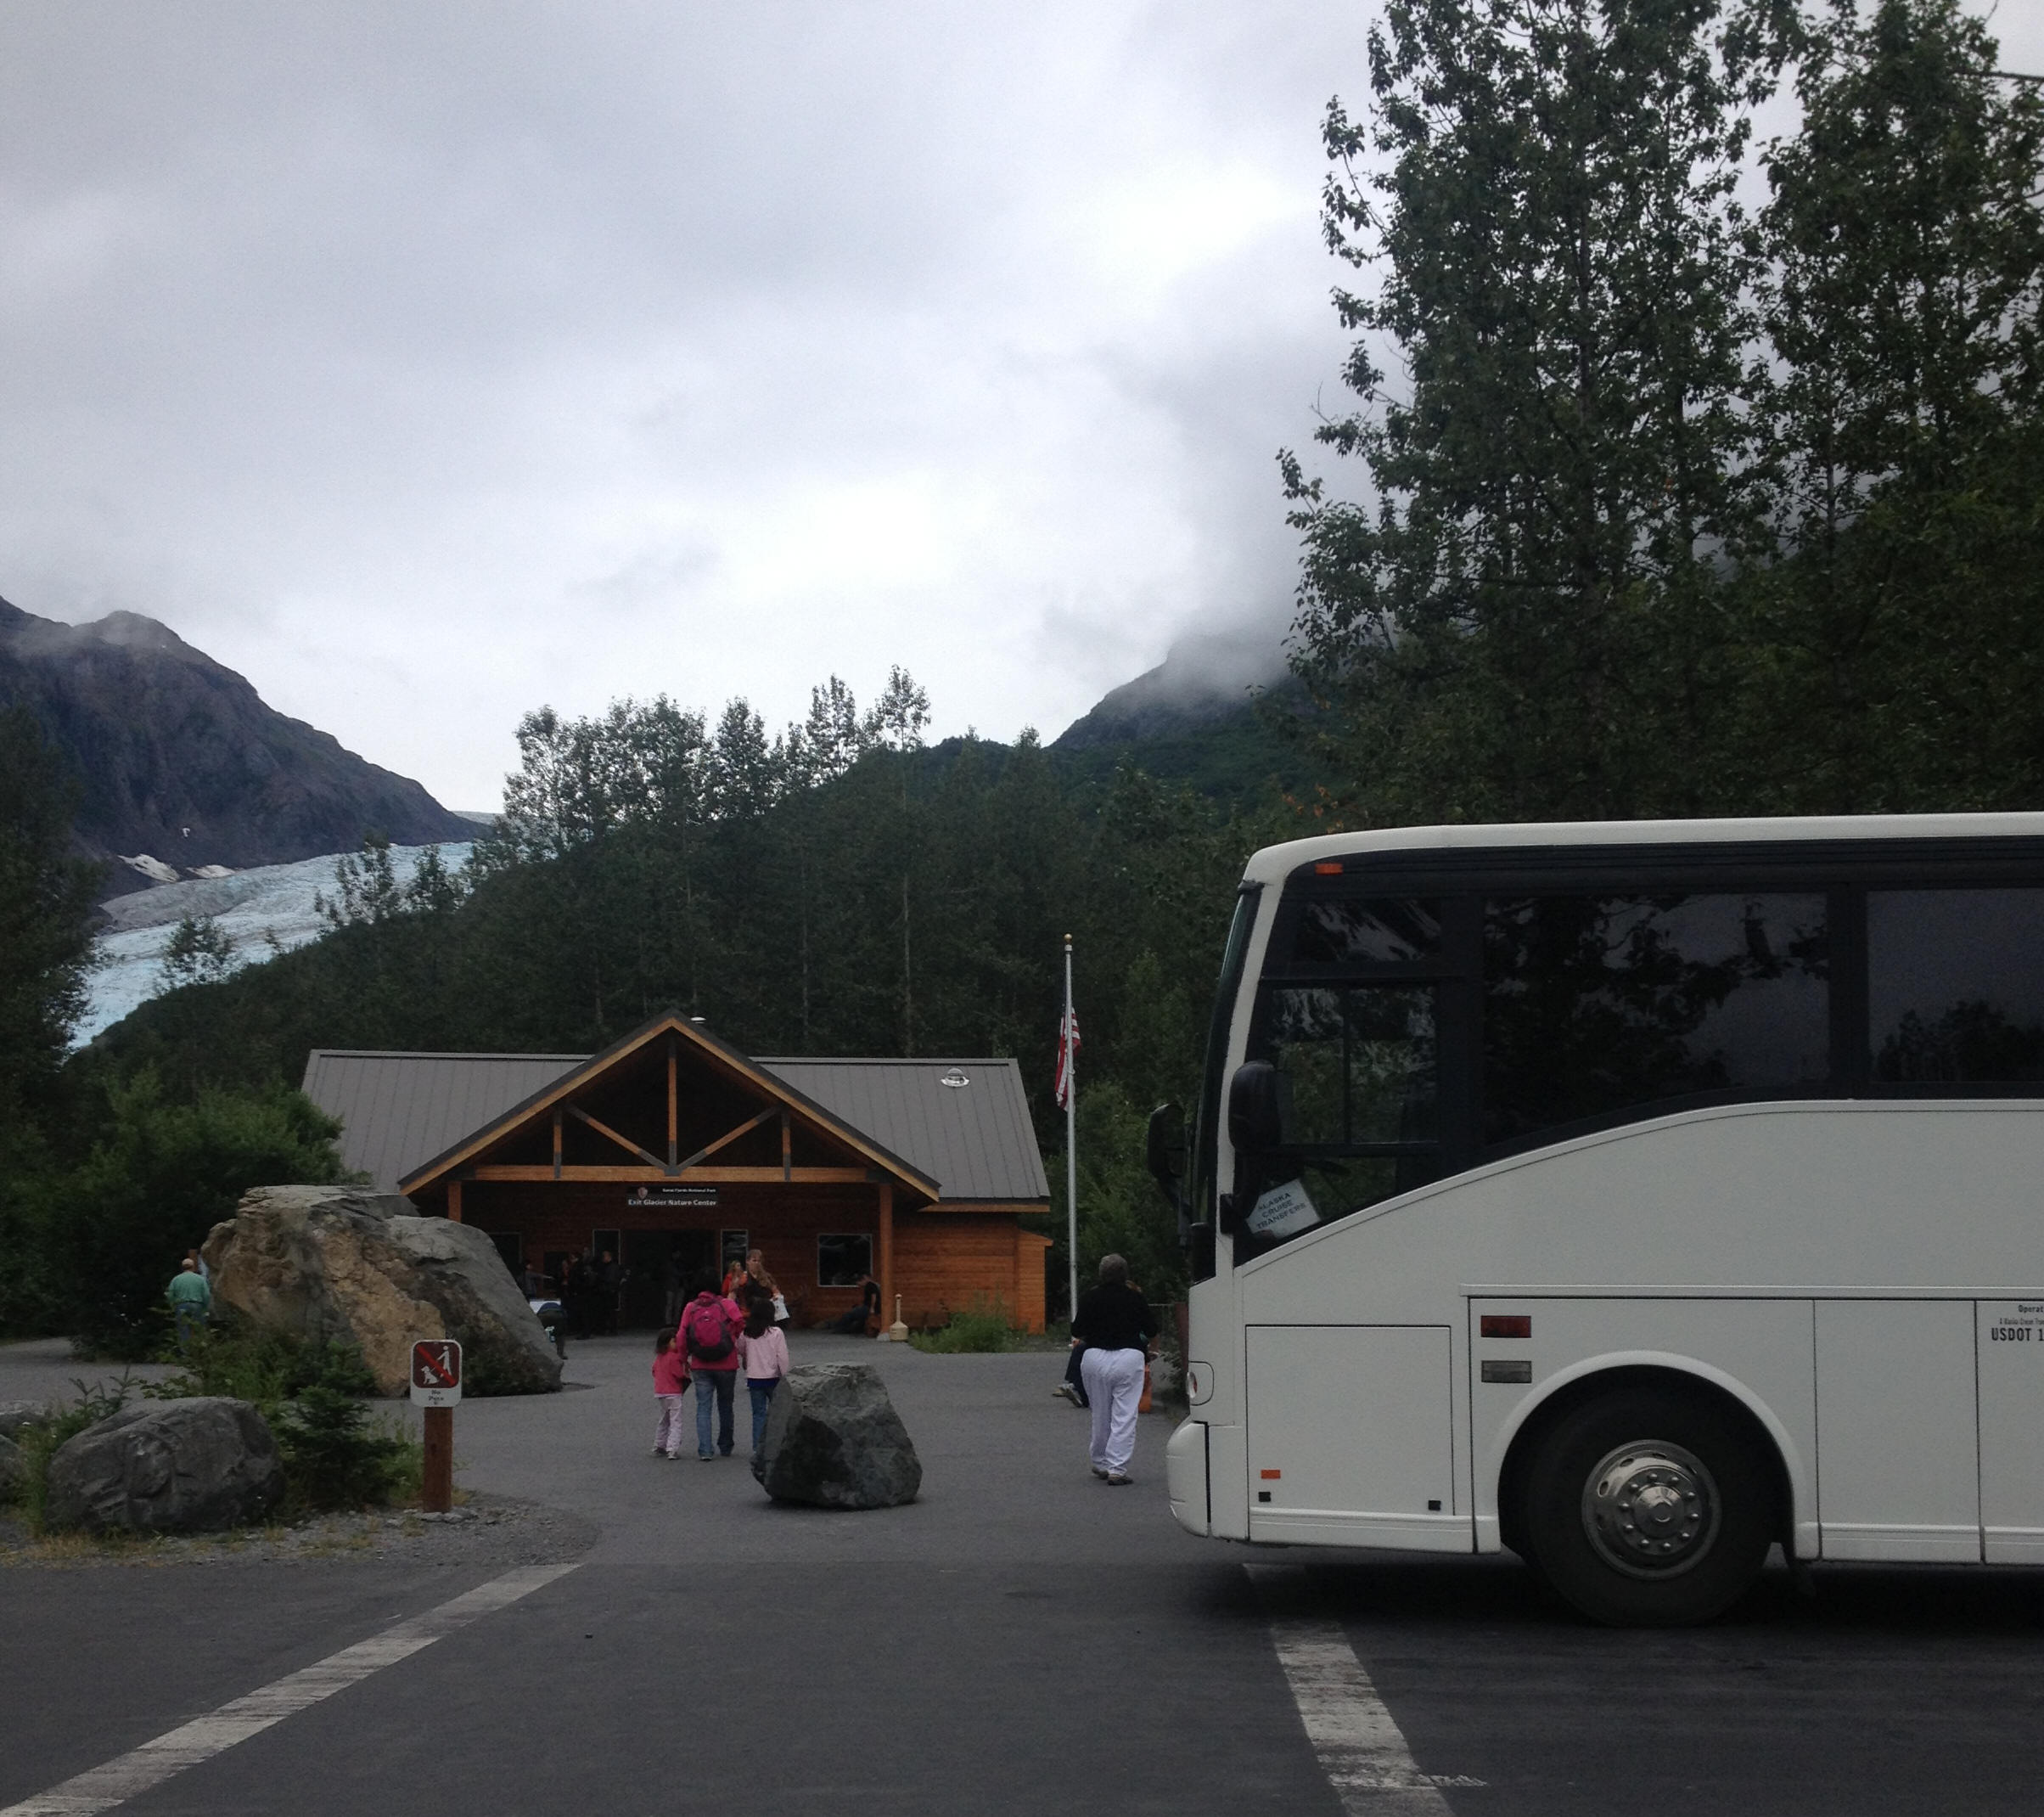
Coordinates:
159	1174
230	1356
335	1455
983	1326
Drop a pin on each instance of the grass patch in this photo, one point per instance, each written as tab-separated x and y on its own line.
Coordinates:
71	1551
984	1326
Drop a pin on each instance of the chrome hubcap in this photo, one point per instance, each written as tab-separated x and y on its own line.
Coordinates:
1650	1509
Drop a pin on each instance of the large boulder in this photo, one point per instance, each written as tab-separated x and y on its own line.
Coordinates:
833	1440
186	1466
17	1416
340	1264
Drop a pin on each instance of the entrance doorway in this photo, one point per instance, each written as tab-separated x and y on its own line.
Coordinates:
656	1261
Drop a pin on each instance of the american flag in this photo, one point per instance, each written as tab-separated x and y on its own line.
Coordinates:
1068	1044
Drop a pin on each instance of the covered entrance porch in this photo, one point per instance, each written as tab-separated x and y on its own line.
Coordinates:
672	1152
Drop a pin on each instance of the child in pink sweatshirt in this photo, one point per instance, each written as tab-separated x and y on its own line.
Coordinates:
763	1354
670	1384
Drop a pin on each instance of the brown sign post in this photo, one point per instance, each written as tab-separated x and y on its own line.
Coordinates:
436	1387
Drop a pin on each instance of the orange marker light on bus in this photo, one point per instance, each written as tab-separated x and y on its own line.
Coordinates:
1325	869
1507	1324
1270	1476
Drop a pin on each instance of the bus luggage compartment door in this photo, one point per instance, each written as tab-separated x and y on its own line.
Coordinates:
1352	1437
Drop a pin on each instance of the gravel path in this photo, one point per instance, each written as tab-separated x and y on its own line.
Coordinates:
488	1531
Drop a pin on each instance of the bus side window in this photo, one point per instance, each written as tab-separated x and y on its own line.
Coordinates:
1595	1004
1955	986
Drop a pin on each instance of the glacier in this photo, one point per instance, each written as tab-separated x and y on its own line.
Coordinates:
251	906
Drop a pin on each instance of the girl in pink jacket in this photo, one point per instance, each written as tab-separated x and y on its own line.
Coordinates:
763	1353
670	1385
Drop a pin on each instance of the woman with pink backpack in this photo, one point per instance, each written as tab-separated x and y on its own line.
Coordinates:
709	1339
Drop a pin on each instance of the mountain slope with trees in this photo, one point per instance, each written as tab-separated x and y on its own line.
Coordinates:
839	888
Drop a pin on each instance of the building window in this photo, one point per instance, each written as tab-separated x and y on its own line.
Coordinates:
841	1260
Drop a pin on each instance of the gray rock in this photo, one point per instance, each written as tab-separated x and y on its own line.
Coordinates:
13	1470
342	1264
184	1466
15	1416
833	1440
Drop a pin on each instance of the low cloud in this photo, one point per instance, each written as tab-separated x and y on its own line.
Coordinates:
428	363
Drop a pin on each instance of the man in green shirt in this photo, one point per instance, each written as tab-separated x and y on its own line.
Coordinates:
190	1299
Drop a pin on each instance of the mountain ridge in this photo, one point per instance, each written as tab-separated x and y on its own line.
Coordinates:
1194	719
178	758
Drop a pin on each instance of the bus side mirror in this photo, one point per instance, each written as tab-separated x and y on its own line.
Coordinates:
1165	1151
1252	1125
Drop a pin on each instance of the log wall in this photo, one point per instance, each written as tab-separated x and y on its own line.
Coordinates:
943	1261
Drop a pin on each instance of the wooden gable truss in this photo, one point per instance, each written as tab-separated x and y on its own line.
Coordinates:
708	1085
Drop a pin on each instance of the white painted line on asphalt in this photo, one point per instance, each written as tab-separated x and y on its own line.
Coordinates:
104	1787
1358	1745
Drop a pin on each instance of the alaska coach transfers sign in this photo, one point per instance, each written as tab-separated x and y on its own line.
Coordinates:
435	1372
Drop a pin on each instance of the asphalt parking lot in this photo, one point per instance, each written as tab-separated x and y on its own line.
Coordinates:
1021	1639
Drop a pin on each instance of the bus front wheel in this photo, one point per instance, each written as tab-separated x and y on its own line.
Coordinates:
1649	1507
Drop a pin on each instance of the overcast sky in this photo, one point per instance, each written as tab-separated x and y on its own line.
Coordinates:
428	363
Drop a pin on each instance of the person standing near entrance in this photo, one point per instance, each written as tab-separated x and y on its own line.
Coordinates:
759	1285
673	1288
710	1333
1113	1323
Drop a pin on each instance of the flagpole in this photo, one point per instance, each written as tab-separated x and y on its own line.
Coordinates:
1071	1138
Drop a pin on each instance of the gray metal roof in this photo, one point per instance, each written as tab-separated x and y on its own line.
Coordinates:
400	1111
975	1140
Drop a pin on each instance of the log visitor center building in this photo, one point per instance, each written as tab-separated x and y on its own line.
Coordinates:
675	1151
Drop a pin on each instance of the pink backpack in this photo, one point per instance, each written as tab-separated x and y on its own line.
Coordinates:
717	1349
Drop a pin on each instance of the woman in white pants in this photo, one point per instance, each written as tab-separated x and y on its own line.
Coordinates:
1114	1322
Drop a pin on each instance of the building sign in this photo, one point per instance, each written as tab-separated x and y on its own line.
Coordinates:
672	1199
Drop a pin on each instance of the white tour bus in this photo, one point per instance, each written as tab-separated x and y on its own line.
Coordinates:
1631	1196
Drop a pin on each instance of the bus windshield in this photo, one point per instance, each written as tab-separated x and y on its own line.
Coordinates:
1205	1140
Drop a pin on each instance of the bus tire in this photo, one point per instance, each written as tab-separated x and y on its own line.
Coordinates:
1647	1506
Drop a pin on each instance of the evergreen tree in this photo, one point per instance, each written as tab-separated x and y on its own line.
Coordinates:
1899	650
1521	624
45	909
199	952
